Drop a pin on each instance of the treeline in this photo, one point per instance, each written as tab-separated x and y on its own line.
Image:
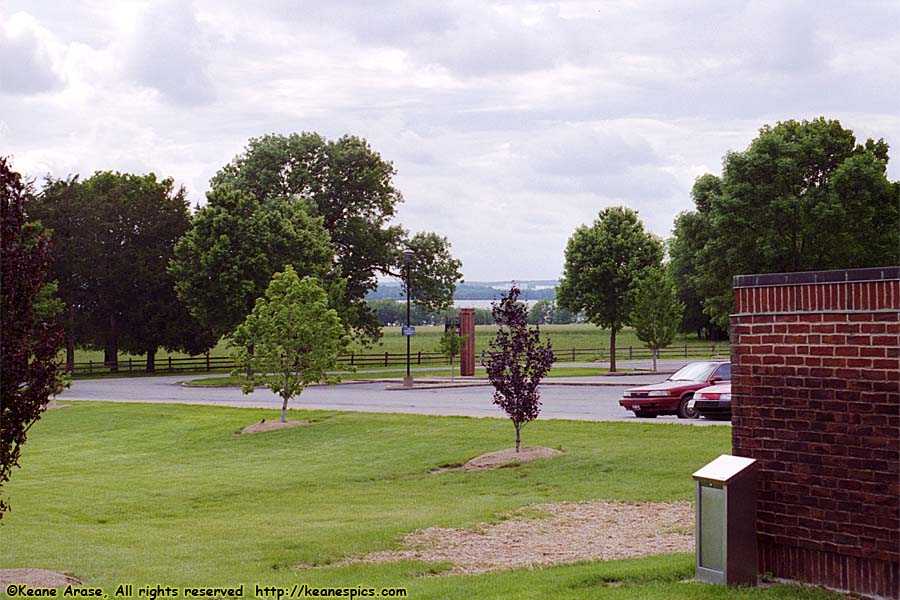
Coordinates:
464	291
134	270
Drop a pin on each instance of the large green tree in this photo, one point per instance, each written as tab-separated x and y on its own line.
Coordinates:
28	345
291	338
114	235
803	196
236	244
349	187
603	263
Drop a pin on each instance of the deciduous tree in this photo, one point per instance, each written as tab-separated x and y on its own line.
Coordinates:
656	310
603	264
236	244
349	186
294	336
28	347
803	196
516	361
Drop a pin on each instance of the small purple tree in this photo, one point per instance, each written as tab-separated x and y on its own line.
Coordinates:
516	361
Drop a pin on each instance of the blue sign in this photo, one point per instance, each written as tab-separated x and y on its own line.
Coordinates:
409	330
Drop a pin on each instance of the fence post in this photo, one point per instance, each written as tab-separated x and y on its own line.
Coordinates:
208	368
630	353
129	364
419	362
170	363
385	359
90	367
352	354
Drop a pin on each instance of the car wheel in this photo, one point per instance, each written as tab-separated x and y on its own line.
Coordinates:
684	412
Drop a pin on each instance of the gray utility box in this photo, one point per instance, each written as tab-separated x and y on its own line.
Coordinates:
725	525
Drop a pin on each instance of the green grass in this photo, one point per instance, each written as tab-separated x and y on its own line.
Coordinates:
167	494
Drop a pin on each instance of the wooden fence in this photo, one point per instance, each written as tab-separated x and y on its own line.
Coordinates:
363	361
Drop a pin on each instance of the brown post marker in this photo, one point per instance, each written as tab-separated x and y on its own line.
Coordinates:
467	355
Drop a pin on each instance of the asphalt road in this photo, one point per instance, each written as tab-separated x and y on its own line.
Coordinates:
582	398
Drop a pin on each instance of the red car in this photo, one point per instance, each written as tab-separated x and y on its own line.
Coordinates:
671	397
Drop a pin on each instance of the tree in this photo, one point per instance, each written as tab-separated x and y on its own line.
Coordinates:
295	337
236	244
546	311
516	361
656	310
803	196
603	264
28	347
114	234
450	345
349	186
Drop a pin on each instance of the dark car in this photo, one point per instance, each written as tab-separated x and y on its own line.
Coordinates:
671	396
713	402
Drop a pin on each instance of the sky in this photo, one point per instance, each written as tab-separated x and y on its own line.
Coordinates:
509	124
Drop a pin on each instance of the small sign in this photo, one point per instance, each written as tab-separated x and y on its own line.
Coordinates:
409	330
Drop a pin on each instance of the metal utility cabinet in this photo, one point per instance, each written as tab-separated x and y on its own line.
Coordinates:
725	524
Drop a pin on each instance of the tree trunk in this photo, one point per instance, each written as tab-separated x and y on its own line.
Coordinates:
70	341
284	411
151	360
518	436
111	352
612	350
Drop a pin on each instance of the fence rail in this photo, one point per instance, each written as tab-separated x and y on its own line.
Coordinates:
211	364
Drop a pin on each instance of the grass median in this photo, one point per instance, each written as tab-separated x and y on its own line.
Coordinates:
170	495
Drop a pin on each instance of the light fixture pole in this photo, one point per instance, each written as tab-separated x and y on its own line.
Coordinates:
407	258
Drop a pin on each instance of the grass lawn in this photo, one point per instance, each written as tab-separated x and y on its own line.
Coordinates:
167	494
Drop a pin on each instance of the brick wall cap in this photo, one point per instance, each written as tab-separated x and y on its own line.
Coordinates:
812	277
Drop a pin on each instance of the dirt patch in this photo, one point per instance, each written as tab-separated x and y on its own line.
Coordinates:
560	533
37	578
265	425
53	405
503	458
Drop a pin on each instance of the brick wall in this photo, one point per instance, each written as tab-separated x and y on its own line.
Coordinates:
816	400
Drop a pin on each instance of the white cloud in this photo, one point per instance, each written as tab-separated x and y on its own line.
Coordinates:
509	123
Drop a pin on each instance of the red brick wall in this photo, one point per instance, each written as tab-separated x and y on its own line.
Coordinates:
816	400
467	328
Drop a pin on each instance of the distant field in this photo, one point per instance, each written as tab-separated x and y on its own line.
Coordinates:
562	337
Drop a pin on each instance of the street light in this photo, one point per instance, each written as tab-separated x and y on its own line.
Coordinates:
407	259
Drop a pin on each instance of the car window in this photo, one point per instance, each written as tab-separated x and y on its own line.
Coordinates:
698	371
724	372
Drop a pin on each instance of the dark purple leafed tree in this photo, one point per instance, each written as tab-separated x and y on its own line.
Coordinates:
516	361
28	349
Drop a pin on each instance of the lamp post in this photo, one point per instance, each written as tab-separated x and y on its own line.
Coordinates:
407	259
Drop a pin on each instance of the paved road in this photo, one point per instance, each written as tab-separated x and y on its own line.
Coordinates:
582	398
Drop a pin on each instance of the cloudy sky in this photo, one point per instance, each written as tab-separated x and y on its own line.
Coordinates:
509	124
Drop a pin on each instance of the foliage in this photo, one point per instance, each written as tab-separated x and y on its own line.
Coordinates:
29	345
236	244
516	361
547	312
349	187
450	345
656	310
803	196
114	235
295	338
603	264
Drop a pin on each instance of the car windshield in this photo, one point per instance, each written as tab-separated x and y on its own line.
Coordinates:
699	371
